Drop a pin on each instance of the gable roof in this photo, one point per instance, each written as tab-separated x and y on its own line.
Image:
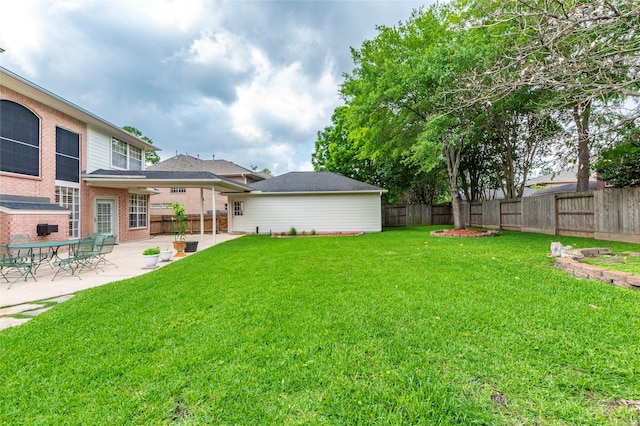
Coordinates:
182	162
317	182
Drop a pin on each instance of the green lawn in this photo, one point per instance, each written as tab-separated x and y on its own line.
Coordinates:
391	328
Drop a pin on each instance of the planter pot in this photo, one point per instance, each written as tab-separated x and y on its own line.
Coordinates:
192	246
165	255
151	260
179	247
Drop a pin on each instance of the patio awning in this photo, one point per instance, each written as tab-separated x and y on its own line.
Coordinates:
145	179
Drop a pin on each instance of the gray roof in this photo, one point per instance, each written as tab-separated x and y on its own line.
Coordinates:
312	182
161	175
20	202
183	162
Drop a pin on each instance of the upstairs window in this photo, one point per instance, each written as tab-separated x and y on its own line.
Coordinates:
119	151
67	155
125	156
19	139
135	158
178	190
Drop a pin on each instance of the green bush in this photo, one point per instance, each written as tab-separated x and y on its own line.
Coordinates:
151	251
293	231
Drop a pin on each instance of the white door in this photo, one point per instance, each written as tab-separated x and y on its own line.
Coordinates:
105	217
237	215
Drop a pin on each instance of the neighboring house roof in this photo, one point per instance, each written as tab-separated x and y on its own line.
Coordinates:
25	87
19	202
318	182
560	189
182	162
560	178
160	179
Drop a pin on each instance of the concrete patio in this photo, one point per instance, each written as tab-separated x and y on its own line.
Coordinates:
19	299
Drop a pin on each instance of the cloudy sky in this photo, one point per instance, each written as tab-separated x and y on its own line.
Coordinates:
247	81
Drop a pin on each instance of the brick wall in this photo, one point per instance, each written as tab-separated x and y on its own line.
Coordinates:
25	224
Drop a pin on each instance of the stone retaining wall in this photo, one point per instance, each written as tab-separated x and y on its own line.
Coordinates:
584	270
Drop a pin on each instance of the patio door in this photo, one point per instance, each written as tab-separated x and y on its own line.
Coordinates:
105	219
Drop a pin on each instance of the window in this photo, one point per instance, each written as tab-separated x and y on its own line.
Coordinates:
137	210
161	205
19	139
67	155
178	190
70	198
238	208
118	153
135	158
125	156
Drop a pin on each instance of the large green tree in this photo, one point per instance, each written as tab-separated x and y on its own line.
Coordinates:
402	97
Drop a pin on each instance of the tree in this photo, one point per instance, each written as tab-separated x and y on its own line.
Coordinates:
401	98
620	165
586	51
151	157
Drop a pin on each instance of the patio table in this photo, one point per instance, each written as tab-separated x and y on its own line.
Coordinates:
39	252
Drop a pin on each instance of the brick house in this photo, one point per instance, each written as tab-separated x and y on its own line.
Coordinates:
63	166
190	197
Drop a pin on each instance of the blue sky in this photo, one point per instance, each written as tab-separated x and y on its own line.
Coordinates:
247	81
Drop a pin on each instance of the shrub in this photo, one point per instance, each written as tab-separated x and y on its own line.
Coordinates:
293	231
151	251
313	232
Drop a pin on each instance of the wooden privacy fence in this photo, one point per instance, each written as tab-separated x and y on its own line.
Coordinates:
609	214
161	224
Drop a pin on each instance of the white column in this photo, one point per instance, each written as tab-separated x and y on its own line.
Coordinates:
213	201
201	215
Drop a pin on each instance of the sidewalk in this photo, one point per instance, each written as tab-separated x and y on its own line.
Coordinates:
18	300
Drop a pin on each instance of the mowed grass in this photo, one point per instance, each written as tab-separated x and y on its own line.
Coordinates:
391	328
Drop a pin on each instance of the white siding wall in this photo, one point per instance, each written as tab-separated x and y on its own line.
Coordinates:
322	213
98	150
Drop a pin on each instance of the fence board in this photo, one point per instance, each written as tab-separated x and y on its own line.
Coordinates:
575	215
538	214
617	214
475	214
162	224
511	215
441	214
394	216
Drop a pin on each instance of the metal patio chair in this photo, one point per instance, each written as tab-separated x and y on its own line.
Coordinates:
106	247
9	263
83	256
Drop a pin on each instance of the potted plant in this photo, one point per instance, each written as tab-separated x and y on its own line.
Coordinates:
165	255
151	256
179	223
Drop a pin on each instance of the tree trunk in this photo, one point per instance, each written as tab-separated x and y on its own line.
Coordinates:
581	115
453	152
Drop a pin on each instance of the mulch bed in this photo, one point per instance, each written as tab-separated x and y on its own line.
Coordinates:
464	233
319	234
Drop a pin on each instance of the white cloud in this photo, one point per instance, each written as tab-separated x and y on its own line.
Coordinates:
222	50
279	98
22	31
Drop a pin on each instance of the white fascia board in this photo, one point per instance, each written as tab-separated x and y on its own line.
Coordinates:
373	191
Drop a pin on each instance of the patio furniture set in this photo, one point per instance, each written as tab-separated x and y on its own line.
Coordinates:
21	257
